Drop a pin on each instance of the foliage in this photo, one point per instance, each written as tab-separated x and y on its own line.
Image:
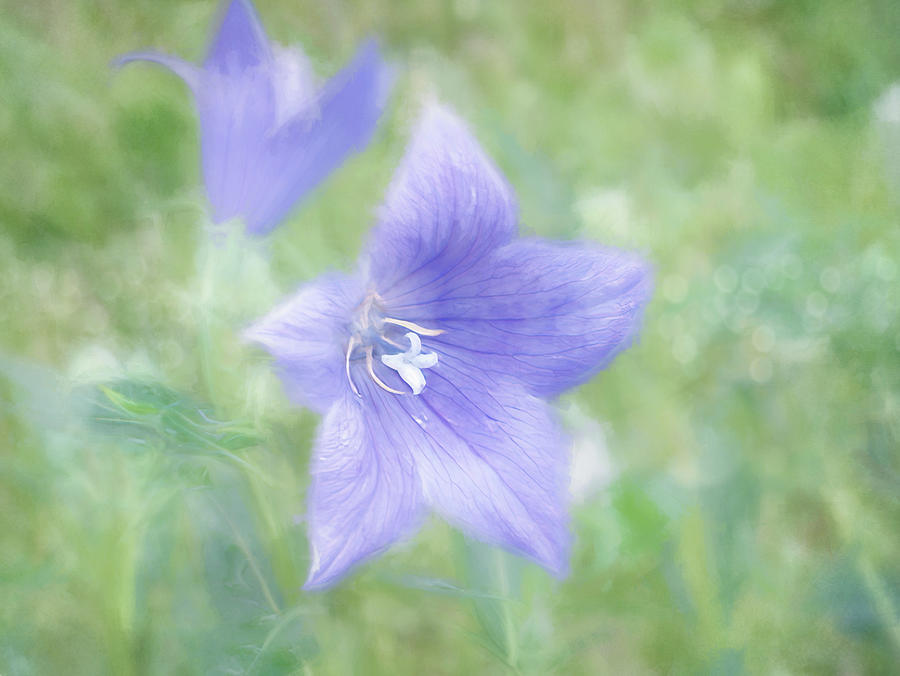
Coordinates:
153	475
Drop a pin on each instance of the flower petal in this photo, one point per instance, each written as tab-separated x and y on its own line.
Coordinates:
186	71
446	209
365	493
238	106
268	136
236	113
307	335
240	42
294	83
307	148
550	315
492	461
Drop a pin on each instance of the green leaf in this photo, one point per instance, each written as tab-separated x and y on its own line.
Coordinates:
146	414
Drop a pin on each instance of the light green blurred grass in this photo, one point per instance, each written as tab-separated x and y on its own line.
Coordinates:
748	517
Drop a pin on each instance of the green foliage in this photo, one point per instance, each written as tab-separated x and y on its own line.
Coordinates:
743	516
151	413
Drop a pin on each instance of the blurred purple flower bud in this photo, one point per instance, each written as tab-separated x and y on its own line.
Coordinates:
432	363
269	133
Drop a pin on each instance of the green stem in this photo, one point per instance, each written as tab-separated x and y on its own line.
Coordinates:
509	630
254	566
882	600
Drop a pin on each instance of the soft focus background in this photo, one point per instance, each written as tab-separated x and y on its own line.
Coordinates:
737	474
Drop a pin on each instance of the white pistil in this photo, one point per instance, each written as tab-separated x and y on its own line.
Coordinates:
409	364
368	330
375	378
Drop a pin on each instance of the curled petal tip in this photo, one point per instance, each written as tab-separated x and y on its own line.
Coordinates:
183	69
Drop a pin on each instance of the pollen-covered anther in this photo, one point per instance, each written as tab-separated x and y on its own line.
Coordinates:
409	364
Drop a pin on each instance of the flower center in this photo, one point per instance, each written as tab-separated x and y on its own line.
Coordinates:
374	335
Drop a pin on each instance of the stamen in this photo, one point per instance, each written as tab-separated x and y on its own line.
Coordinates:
392	342
375	378
421	330
350	347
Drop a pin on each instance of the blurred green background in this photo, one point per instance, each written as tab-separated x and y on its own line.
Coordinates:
737	474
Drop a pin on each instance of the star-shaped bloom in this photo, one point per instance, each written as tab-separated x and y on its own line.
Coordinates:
433	363
269	132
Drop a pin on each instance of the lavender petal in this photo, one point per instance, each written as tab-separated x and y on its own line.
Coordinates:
307	335
307	148
551	315
446	209
240	43
492	461
365	493
236	117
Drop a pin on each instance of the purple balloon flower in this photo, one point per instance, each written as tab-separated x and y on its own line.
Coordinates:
432	363
269	133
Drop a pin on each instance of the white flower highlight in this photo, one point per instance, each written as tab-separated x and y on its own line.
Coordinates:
409	364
